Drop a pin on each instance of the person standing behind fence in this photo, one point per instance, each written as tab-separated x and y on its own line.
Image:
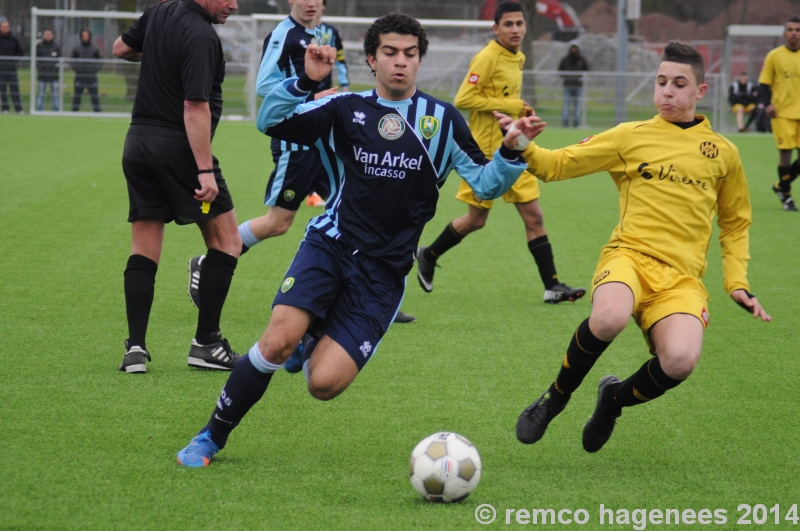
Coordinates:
573	84
743	95
47	51
86	70
9	47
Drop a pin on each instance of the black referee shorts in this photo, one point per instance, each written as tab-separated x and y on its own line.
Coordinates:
162	176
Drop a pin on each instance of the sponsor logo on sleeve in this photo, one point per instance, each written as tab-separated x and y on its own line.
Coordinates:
585	140
473	79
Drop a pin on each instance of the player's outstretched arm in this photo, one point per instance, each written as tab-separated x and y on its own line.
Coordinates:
751	304
519	132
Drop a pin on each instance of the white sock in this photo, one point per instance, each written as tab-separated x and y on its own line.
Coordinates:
248	238
261	364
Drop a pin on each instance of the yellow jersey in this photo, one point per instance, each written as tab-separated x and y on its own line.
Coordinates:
671	182
493	83
781	72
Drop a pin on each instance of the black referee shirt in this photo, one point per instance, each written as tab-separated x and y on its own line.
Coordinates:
181	60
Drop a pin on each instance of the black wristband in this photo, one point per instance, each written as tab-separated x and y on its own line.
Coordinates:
509	154
749	296
205	171
306	84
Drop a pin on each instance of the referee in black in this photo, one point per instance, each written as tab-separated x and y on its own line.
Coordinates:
170	171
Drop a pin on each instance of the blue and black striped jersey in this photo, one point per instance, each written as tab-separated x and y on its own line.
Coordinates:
386	161
283	56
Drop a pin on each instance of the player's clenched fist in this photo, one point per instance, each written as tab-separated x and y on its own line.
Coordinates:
319	61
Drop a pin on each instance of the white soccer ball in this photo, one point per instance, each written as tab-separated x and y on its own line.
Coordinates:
445	467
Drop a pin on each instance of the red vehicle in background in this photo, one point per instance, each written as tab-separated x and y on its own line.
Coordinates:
565	17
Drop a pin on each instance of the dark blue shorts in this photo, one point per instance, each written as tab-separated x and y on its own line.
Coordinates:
296	175
354	296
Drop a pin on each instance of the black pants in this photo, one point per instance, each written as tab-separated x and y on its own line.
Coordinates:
90	84
9	78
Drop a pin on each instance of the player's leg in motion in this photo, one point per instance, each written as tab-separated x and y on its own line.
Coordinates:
542	251
330	370
247	383
453	233
209	350
678	341
140	277
612	305
783	188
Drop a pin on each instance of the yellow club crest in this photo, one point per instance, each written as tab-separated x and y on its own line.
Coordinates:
428	126
287	284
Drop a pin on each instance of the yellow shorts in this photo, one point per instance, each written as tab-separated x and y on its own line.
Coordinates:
746	108
526	189
786	133
659	290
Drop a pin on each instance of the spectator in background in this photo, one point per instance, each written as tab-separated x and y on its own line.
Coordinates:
10	47
47	51
573	84
86	71
743	96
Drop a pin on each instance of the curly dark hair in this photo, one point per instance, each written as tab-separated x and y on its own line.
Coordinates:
680	52
395	23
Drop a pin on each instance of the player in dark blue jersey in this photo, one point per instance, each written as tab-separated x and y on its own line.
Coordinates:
387	152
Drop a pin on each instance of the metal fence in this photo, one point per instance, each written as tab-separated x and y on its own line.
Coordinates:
453	44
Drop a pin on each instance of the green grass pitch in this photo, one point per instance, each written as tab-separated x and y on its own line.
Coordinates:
85	447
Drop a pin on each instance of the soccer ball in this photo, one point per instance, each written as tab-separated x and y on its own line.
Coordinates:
445	467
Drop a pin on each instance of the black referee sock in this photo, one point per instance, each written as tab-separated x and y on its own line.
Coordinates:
785	179
448	239
582	353
646	384
140	280
543	255
215	281
245	386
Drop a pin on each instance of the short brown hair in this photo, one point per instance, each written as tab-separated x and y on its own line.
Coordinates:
680	52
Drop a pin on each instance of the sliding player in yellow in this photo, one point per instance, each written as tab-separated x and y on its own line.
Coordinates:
781	75
674	173
494	83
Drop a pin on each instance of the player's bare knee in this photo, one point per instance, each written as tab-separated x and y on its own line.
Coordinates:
322	389
275	349
607	325
679	365
477	223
